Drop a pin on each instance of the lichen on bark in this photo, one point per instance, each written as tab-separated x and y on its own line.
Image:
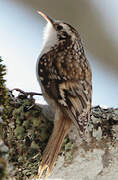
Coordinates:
29	125
26	133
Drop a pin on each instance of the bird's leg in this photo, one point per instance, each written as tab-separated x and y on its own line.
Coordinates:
62	125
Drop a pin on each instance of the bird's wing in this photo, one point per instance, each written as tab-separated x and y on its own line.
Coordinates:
75	98
71	88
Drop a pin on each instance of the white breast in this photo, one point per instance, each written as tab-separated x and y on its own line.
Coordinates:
49	38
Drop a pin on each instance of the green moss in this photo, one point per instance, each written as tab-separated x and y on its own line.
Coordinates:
3	116
34	145
3	92
36	122
68	149
19	132
26	132
2	168
26	124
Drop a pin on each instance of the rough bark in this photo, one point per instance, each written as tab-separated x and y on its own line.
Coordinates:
27	128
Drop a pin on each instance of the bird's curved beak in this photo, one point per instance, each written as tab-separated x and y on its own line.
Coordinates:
47	18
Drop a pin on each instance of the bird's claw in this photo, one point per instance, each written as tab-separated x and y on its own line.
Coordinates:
41	169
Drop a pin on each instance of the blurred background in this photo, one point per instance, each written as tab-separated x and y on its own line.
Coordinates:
21	37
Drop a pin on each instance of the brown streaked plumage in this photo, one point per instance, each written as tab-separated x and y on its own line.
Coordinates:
65	78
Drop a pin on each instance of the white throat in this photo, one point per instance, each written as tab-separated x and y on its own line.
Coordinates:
49	38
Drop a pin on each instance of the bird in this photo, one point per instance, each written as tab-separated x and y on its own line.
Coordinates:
65	78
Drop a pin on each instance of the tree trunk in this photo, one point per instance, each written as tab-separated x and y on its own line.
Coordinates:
26	131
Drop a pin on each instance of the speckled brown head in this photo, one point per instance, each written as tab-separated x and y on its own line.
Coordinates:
57	32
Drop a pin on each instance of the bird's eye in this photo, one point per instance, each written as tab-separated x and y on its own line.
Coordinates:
59	27
64	33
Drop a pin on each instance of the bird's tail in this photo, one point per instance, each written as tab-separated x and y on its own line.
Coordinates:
62	125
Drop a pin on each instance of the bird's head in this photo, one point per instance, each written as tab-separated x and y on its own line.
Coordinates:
57	32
